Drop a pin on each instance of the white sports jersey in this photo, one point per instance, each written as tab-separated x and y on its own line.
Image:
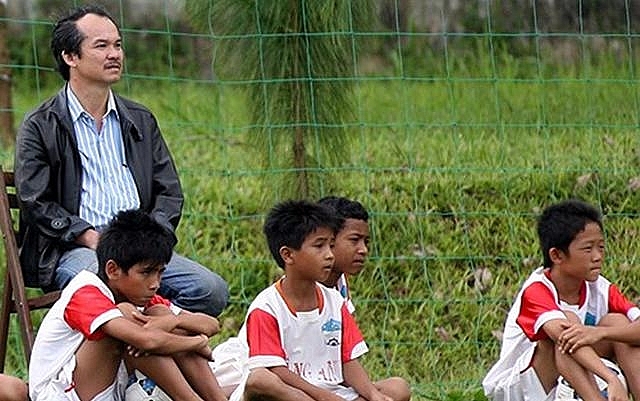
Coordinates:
230	356
312	344
343	288
537	302
84	306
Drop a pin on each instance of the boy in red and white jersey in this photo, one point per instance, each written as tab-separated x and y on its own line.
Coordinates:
350	251
103	320
301	331
568	291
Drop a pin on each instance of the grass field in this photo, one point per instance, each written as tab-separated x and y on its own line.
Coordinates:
454	172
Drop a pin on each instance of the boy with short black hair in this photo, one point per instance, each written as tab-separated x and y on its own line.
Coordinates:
566	291
101	320
299	330
351	246
350	251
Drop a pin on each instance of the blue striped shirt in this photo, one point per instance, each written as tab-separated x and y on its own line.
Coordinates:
107	182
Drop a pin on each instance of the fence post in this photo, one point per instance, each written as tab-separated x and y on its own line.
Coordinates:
7	136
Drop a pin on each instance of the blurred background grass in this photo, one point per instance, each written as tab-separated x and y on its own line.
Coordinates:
450	205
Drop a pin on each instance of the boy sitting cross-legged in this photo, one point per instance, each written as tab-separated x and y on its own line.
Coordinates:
299	330
103	320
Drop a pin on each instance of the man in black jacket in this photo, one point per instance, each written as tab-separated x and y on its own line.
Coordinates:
86	154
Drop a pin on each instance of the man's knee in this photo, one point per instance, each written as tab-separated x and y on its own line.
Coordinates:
209	294
73	262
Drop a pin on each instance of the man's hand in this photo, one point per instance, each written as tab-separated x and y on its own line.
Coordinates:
89	239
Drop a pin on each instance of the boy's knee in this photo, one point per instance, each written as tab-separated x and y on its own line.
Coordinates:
13	389
614	319
401	389
572	317
127	309
260	380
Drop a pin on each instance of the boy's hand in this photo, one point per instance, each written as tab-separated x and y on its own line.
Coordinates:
205	350
135	352
617	391
577	336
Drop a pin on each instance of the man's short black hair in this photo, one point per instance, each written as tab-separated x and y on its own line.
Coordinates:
67	38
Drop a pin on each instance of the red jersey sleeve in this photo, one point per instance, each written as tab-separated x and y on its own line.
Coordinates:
263	335
351	335
536	300
618	303
85	305
158	300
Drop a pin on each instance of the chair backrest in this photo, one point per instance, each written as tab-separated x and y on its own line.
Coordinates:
14	297
9	190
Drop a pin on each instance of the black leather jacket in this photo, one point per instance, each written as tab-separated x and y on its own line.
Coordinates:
48	176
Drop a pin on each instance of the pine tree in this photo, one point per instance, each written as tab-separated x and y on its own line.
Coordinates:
300	57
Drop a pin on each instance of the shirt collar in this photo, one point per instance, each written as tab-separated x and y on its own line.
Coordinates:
76	109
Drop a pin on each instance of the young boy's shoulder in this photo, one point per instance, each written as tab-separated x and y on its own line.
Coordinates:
83	294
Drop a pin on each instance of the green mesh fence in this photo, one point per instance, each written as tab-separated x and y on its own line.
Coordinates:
466	119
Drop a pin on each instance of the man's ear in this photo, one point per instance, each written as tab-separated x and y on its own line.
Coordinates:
556	255
112	270
68	58
286	254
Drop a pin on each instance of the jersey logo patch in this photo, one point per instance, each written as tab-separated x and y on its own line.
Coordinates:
331	325
329	330
589	320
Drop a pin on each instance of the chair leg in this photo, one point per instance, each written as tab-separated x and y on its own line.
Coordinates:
5	319
24	318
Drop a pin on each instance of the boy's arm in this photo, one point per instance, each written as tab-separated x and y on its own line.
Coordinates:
152	340
578	335
293	380
196	323
585	356
589	359
357	377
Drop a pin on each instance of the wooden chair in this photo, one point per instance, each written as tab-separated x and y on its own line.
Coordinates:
14	297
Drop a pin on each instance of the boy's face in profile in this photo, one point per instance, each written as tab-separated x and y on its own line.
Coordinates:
138	285
351	246
585	256
314	260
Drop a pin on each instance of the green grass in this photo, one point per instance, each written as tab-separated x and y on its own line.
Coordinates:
454	172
